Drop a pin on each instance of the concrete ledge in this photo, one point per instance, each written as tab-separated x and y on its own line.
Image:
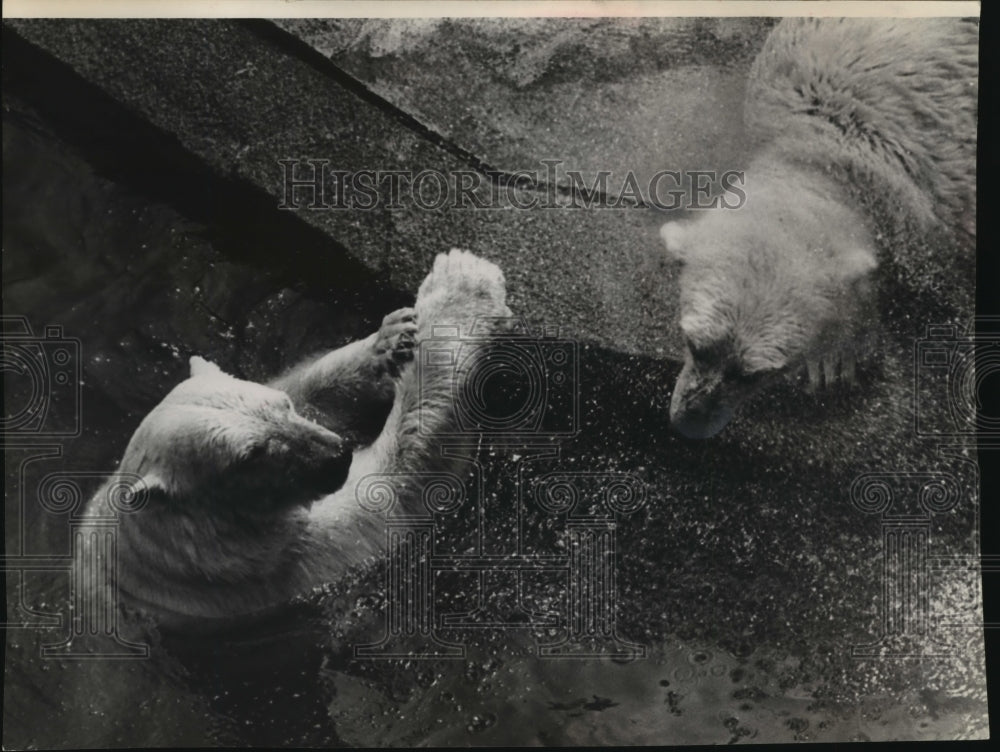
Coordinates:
233	96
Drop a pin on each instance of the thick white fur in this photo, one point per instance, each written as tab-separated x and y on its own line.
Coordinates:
219	539
865	134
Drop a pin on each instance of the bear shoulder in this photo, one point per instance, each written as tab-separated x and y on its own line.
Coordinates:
887	105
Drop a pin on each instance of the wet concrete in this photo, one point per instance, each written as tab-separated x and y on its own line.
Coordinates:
598	274
748	573
642	94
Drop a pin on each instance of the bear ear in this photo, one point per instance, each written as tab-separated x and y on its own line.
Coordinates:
674	236
151	484
138	493
202	367
856	263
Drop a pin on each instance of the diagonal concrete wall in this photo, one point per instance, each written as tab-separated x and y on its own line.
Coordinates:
240	98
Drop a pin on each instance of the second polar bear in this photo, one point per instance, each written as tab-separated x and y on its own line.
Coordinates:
865	163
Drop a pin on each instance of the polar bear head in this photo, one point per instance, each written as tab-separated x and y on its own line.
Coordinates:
222	441
763	289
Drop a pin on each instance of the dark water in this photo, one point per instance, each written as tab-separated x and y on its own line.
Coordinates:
746	587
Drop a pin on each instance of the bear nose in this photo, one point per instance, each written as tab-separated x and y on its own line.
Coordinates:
331	443
328	457
699	406
333	472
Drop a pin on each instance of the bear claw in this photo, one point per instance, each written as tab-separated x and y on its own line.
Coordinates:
831	368
397	338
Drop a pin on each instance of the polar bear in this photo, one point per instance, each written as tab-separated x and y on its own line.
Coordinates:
865	163
245	493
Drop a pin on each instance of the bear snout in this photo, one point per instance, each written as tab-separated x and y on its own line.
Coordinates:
331	475
325	457
701	424
699	407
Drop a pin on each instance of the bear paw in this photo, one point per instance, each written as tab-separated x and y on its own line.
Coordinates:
460	287
831	368
396	339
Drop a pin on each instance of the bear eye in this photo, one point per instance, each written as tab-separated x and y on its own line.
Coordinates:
253	452
735	372
703	352
284	402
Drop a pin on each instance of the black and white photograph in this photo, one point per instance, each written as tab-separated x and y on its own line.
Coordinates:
569	373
